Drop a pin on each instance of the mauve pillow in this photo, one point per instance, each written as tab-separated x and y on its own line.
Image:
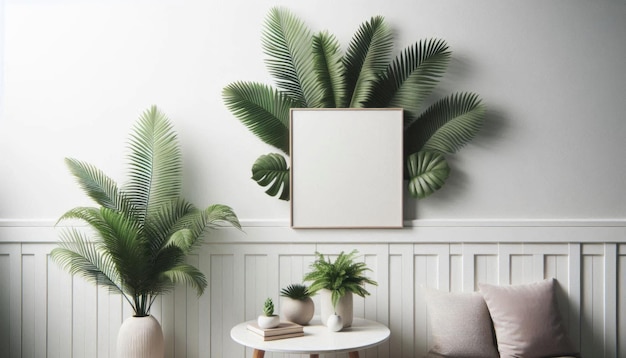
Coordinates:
526	320
460	325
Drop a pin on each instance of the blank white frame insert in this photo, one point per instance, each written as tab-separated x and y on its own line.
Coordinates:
346	168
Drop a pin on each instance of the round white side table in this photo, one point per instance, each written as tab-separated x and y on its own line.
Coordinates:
317	339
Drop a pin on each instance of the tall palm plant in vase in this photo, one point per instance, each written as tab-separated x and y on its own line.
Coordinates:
312	72
140	233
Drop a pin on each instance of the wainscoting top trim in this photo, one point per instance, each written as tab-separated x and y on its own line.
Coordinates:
418	231
278	223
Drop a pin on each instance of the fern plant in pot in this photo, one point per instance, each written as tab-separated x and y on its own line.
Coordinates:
337	282
312	72
140	233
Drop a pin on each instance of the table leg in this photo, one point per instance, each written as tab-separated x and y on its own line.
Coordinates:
257	353
354	354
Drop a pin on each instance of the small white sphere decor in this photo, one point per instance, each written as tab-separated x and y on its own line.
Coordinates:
334	323
344	307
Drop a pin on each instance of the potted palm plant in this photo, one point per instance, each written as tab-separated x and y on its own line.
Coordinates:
337	282
296	305
312	72
141	232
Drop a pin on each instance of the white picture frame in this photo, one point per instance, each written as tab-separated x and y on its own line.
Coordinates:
346	168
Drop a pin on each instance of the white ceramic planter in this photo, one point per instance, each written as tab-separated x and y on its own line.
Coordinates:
268	321
297	311
344	307
140	337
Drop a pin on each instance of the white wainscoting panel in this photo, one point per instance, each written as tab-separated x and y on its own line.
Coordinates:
44	312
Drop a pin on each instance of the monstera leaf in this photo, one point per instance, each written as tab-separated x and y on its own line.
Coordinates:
271	169
428	172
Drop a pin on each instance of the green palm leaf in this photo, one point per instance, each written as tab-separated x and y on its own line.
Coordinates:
128	248
447	125
287	42
97	185
329	68
167	258
189	275
182	239
411	77
165	222
217	214
78	256
271	169
91	216
263	110
155	163
428	172
367	57
196	222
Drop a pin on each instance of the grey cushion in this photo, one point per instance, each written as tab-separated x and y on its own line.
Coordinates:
460	325
526	320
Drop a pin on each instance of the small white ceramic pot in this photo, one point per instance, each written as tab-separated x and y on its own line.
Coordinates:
268	321
334	323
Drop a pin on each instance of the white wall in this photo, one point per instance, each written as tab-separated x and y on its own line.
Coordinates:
78	73
547	168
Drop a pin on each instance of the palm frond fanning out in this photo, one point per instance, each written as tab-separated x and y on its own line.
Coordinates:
271	169
218	214
428	172
188	275
167	220
329	69
155	165
136	242
97	185
447	125
367	57
79	256
411	77
287	43
263	110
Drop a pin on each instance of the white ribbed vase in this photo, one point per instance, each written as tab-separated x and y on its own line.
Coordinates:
344	307
140	337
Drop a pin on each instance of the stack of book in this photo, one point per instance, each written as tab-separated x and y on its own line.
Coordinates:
284	330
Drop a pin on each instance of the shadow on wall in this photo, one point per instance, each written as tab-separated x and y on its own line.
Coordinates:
494	125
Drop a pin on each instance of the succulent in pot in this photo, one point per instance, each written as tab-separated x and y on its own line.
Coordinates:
296	305
268	319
